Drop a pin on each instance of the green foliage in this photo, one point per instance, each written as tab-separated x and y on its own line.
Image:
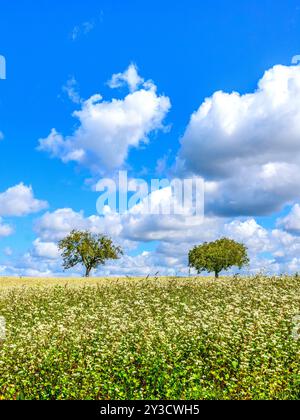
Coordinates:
217	256
82	247
163	339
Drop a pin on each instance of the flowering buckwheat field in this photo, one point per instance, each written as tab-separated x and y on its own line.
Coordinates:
150	339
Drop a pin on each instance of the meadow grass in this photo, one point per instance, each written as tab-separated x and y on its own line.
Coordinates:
150	338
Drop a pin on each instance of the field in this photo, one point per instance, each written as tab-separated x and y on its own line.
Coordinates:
150	338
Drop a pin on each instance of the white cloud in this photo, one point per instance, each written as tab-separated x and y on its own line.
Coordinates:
143	264
30	266
163	163
153	218
256	190
291	223
108	130
82	29
129	77
171	254
55	226
5	230
248	145
249	232
47	250
20	201
187	230
271	250
71	89
274	251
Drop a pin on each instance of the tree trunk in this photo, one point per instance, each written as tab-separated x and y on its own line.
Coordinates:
87	272
217	275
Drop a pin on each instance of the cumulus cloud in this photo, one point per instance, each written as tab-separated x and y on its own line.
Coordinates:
158	215
188	230
248	145
143	264
274	250
129	77
47	250
269	249
255	237
254	191
29	265
55	226
291	223
108	130
20	201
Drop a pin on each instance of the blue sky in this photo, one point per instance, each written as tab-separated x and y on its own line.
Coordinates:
190	50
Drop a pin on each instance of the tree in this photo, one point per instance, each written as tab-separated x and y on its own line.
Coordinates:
217	256
82	247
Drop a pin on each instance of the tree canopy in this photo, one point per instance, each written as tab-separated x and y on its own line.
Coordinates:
217	256
87	249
